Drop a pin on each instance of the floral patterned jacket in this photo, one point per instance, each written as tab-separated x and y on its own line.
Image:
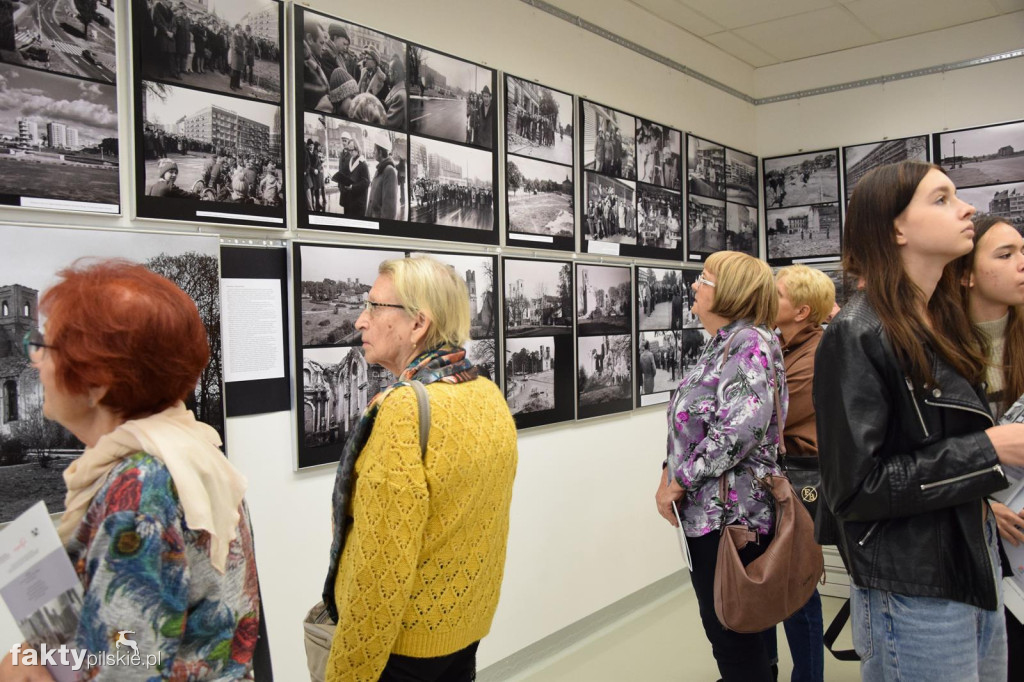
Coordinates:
722	422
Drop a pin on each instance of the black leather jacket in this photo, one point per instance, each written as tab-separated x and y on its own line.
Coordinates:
905	470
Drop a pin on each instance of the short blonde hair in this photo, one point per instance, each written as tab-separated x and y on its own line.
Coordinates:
745	288
810	287
426	285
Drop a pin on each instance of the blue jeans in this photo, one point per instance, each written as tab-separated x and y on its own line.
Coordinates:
805	634
899	637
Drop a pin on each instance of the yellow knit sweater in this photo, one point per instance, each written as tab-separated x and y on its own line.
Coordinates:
422	566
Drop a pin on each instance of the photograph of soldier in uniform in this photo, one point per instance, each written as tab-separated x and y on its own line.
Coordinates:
538	298
233	48
604	369
540	197
346	161
705	167
860	158
609	214
199	145
603	299
803	231
1005	201
59	141
705	229
658	217
530	374
658	151
538	121
451	98
741	228
451	184
609	141
354	72
740	177
802	179
664	298
74	38
982	156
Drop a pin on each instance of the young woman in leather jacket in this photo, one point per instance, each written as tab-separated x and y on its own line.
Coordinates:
907	446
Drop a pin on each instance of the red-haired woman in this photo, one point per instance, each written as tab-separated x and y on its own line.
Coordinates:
907	446
155	524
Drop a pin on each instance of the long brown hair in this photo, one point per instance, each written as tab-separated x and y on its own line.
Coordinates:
1013	347
871	254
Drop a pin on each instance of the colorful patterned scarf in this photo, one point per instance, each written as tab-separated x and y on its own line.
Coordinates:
440	364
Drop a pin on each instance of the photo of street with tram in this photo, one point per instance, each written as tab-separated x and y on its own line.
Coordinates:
802	179
451	98
983	156
803	231
540	197
73	37
603	299
538	298
530	374
658	151
538	122
230	47
705	168
609	141
451	184
604	369
58	138
860	158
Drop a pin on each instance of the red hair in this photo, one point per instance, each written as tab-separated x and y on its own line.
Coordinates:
117	324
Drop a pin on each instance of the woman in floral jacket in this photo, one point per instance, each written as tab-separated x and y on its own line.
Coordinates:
723	435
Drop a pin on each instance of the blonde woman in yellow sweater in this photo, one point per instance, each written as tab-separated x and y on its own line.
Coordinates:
419	546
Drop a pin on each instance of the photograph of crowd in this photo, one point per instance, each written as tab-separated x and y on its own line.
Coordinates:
232	48
803	231
538	298
609	141
451	99
664	298
604	373
741	228
1005	201
705	225
604	295
664	356
982	156
802	179
609	214
741	177
705	168
75	38
538	121
58	139
200	145
530	374
858	159
478	273
540	197
352	71
354	170
658	217
451	185
658	151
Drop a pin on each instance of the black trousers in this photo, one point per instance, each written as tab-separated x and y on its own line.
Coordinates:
457	667
740	657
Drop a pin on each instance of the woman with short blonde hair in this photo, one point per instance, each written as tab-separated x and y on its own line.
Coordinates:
809	287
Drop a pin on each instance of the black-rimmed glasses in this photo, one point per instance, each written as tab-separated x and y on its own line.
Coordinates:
33	342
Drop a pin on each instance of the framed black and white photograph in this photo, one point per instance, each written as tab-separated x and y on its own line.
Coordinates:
604	375
233	48
844	287
986	155
604	297
538	121
482	353
803	234
540	202
858	159
741	228
801	179
353	170
34	451
741	185
538	298
1005	201
59	141
658	153
450	184
72	38
478	273
209	157
705	225
664	297
658	218
705	168
663	357
530	374
451	99
609	140
609	210
353	72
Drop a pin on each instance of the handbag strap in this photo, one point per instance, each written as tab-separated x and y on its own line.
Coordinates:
832	634
423	402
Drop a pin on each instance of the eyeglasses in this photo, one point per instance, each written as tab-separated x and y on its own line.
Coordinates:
702	282
33	342
371	306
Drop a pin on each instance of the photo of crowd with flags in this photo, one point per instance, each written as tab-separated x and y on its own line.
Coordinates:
225	46
353	72
538	121
609	141
658	154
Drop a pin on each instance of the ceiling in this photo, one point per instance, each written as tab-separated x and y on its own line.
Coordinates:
766	32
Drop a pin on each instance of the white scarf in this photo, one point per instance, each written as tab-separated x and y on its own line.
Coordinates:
209	487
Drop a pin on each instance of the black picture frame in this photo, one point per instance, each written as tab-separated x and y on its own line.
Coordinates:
723	194
987	155
604	339
802	221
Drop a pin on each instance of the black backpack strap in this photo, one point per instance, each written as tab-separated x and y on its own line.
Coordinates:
832	634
